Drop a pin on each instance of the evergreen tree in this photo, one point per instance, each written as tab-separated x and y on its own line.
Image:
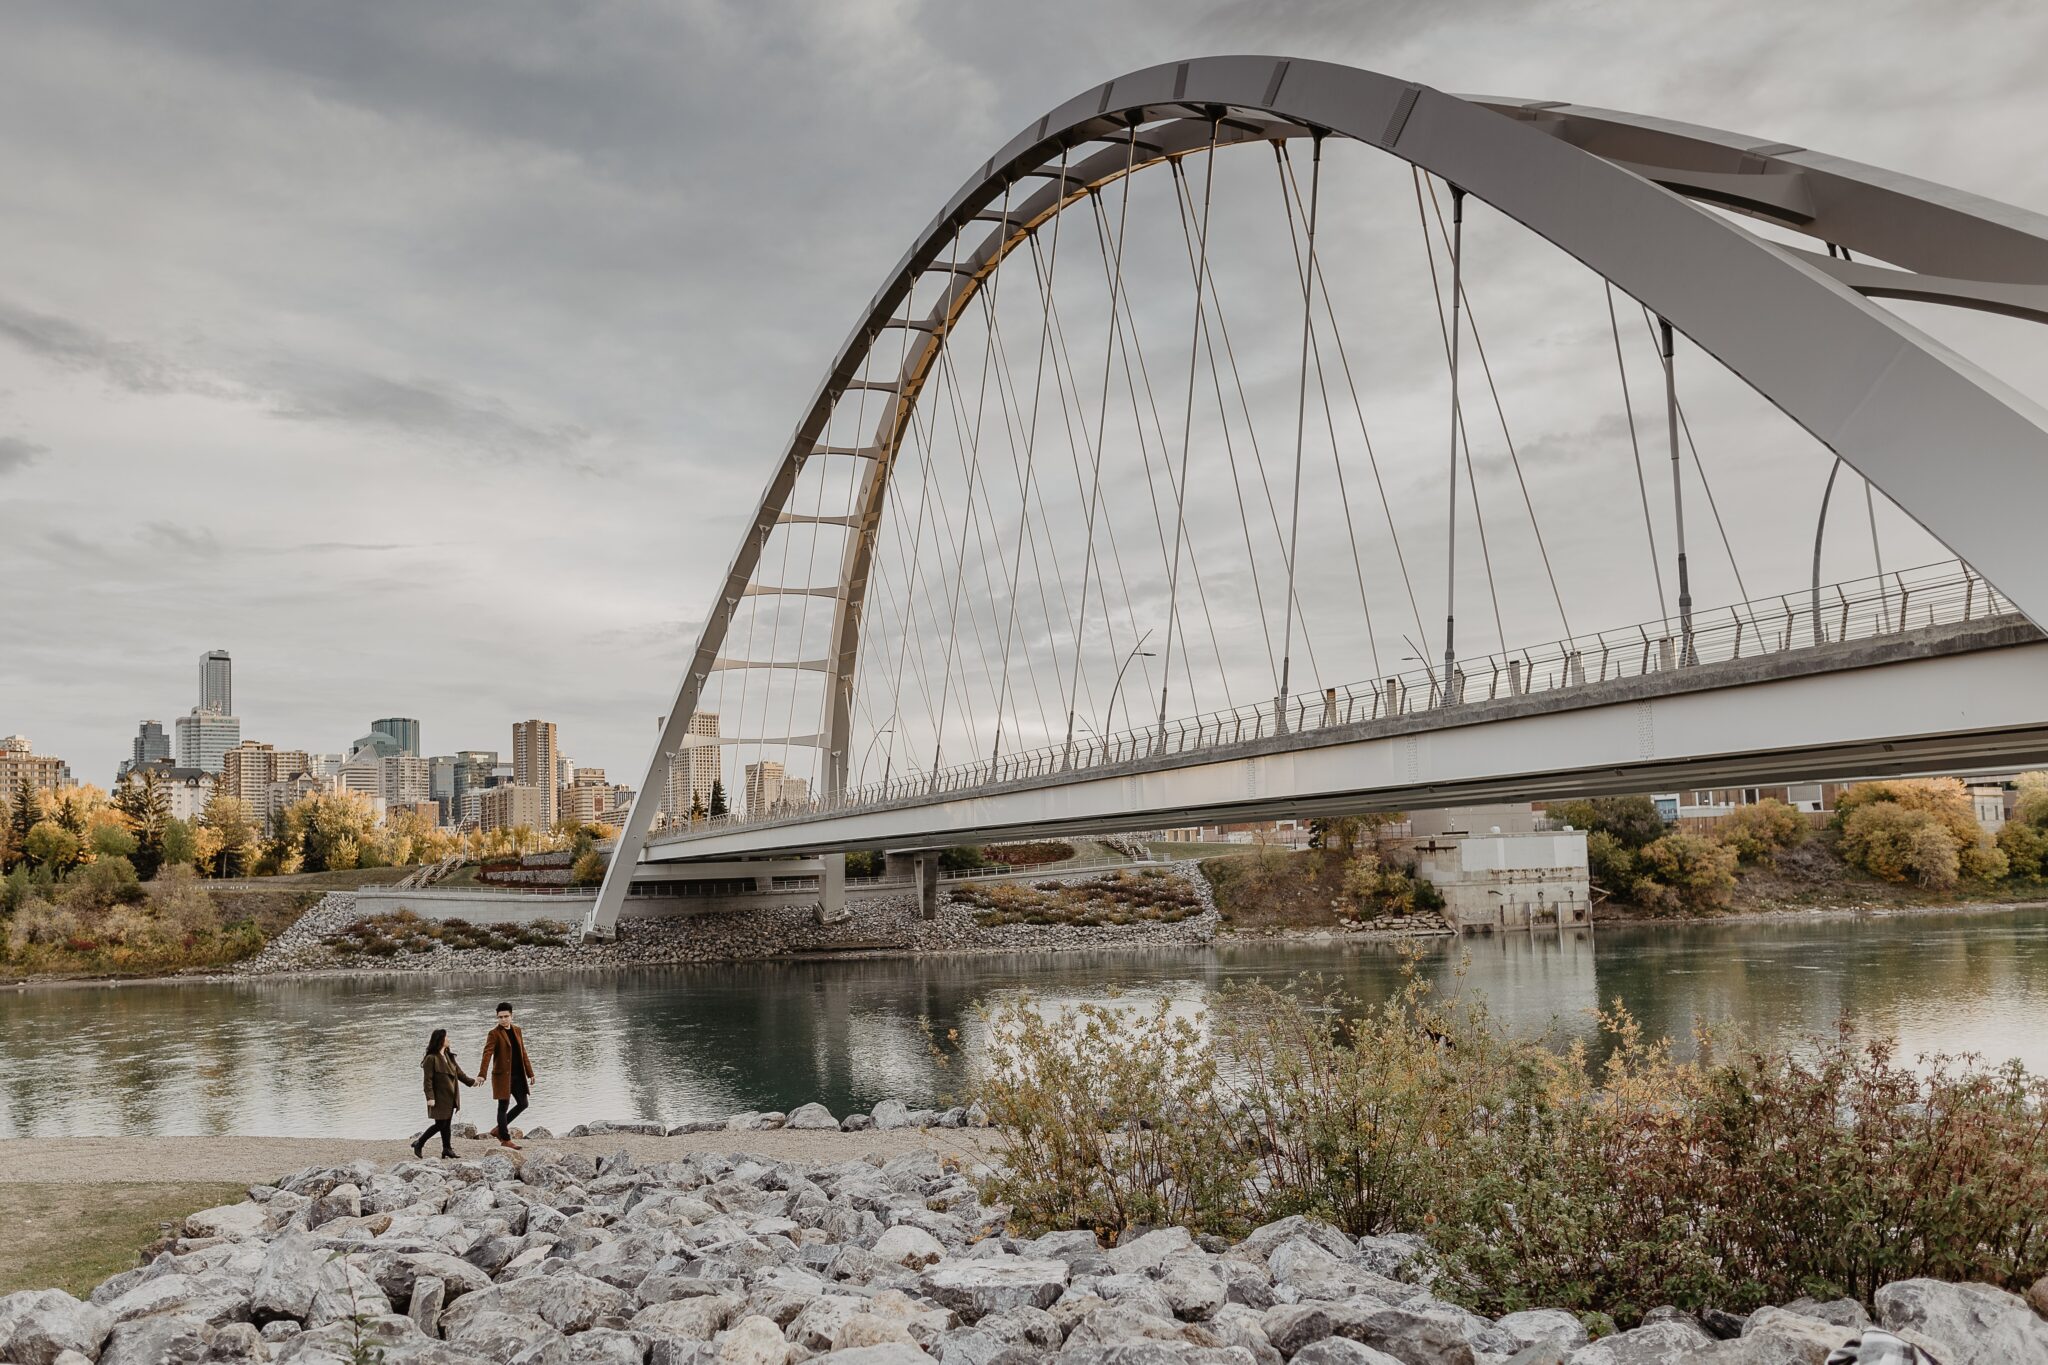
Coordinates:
697	811
718	807
27	808
146	807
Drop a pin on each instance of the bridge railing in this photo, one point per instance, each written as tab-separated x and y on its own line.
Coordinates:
1862	609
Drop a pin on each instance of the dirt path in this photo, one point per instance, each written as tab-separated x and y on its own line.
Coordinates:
258	1160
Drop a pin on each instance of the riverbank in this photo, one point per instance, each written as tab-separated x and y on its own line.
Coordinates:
744	1259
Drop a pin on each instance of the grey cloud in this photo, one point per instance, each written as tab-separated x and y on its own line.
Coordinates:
74	346
17	453
193	542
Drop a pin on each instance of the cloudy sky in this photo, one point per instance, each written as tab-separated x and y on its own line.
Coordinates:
430	358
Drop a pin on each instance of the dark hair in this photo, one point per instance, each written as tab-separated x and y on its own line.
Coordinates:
436	1040
505	1006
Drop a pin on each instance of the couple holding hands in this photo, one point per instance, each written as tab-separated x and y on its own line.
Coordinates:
506	1064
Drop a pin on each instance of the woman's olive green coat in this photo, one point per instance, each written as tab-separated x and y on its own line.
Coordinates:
443	1081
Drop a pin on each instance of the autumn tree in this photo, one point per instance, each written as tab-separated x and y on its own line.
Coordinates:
227	836
1759	832
146	807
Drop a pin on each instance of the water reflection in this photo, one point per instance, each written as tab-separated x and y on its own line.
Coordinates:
340	1057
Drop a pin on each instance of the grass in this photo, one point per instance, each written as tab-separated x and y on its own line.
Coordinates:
72	1236
401	931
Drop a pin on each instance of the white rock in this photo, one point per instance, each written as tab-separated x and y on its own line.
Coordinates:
891	1114
905	1245
1532	1325
1143	1253
699	1318
1975	1324
38	1325
429	1296
229	1220
1653	1345
753	1341
809	1116
976	1288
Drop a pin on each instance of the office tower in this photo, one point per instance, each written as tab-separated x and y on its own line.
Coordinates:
534	756
764	786
204	738
403	730
150	745
472	774
692	771
217	682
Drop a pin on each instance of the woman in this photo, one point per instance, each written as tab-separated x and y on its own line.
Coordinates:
442	1077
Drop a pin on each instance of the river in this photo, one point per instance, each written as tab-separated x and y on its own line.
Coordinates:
338	1056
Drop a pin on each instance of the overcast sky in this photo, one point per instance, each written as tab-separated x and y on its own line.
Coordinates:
430	358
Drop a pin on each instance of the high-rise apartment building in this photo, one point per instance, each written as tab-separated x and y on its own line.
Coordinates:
204	737
217	682
534	760
249	769
764	786
473	768
509	807
20	762
404	781
694	768
402	729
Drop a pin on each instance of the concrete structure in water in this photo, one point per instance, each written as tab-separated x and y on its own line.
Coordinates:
1496	870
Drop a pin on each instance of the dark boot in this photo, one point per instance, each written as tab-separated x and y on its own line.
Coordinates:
418	1144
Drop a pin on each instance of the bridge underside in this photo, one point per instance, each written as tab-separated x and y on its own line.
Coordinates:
1946	699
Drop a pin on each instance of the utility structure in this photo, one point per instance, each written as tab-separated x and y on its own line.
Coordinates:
915	551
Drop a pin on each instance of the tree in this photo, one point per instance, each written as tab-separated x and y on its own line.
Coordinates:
230	849
2025	847
1759	832
588	869
50	845
23	813
1632	820
180	846
322	827
1612	865
146	807
697	811
717	798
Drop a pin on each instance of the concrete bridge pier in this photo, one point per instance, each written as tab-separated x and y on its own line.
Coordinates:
919	867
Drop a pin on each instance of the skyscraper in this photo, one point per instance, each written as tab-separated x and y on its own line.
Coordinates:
534	756
402	729
764	787
204	738
217	682
150	745
692	771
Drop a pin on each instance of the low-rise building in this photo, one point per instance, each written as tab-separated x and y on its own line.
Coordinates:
1496	880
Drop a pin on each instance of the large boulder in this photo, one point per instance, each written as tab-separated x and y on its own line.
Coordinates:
495	1335
1532	1325
1262	1242
1343	1351
212	1299
167	1339
697	1318
234	1221
1656	1344
313	1285
567	1302
909	1246
811	1116
38	1325
1141	1254
1972	1324
976	1288
892	1114
1304	1265
753	1341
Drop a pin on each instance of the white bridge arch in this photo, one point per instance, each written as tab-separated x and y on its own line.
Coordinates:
1615	191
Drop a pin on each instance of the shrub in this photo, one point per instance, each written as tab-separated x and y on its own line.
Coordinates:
1114	1118
1759	832
1947	803
178	899
1113	898
1611	863
2025	847
1633	821
1690	872
40	922
1889	840
588	869
864	862
1752	1175
1029	855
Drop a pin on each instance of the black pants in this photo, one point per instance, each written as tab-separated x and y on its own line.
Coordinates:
509	1110
437	1126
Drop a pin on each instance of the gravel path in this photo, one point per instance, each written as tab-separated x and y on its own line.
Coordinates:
257	1160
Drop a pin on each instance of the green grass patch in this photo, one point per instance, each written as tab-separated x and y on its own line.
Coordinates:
72	1236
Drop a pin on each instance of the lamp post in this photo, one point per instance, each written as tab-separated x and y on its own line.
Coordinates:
1138	651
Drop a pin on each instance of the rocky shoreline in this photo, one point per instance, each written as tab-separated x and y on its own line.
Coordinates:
545	1257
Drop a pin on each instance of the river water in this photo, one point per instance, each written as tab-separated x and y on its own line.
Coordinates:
339	1057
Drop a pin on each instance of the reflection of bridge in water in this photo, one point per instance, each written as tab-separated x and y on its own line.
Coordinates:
1048	472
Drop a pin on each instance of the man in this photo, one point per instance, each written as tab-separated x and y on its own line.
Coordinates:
509	1069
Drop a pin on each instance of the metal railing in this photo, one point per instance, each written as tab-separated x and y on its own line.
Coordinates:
1863	609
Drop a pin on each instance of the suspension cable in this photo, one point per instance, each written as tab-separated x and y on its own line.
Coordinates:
1315	187
1188	426
1102	424
1636	449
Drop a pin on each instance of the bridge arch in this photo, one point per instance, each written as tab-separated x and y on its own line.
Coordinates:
1614	191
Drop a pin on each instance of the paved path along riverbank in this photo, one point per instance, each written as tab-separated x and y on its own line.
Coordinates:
256	1160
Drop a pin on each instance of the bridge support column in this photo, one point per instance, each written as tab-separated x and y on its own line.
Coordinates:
832	889
920	868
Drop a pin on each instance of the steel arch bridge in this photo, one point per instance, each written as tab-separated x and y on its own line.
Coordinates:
1763	257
